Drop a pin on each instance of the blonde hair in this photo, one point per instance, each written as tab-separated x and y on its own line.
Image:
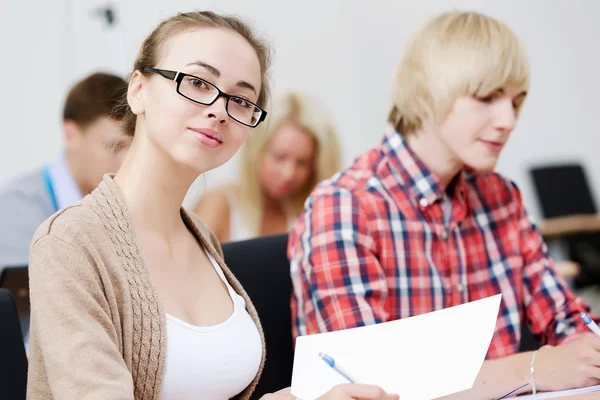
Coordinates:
150	51
306	113
454	54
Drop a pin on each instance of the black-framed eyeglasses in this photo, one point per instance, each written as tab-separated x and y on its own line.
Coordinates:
203	92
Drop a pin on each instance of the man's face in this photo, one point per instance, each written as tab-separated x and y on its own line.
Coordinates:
95	150
476	129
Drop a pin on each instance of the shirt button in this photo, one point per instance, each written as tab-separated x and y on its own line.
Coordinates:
444	234
423	202
460	287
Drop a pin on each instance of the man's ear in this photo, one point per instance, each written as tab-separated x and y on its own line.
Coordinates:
73	133
135	93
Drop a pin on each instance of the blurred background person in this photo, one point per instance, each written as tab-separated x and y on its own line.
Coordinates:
279	167
94	144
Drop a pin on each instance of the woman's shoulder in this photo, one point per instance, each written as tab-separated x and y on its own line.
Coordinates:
66	222
214	208
203	230
197	222
78	226
216	204
223	195
84	244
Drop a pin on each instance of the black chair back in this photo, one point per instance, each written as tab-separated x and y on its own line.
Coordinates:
13	359
16	281
262	267
564	190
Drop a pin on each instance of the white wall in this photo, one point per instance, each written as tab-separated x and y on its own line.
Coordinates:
33	79
341	50
45	47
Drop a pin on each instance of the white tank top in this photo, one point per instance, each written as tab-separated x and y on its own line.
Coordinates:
215	362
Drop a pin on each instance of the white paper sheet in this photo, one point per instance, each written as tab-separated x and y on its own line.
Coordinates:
419	358
562	393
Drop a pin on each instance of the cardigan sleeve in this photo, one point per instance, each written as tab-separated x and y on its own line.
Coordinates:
74	347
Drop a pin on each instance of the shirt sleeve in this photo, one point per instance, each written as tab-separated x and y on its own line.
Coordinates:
74	343
337	278
20	216
551	308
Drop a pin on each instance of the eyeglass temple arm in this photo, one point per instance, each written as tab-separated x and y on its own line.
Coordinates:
162	72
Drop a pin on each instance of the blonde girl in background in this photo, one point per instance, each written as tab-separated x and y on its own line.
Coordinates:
297	148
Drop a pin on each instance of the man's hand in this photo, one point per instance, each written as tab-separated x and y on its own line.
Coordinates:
570	365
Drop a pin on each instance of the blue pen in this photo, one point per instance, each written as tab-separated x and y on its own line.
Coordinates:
331	362
590	323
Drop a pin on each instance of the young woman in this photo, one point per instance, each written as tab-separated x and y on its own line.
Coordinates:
280	165
130	296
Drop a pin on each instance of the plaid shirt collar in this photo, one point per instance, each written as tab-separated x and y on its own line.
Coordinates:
414	176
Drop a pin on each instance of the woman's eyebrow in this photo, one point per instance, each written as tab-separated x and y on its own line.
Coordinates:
214	71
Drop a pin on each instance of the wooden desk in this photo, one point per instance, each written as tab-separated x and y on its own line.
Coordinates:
562	226
554	228
567	269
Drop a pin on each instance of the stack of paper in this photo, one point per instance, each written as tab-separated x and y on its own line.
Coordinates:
419	358
563	393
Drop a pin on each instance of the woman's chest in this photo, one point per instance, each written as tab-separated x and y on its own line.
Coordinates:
189	284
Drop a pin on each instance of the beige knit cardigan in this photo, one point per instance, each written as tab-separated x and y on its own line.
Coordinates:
98	328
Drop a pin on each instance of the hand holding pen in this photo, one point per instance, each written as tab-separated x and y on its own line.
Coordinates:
348	391
590	323
352	390
336	367
570	365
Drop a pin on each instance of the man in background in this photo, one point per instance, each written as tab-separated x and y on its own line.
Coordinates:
94	145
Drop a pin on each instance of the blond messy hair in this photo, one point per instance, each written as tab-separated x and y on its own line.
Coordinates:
454	54
306	113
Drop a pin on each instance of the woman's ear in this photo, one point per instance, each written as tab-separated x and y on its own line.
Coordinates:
135	93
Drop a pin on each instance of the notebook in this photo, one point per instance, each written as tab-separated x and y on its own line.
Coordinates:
561	393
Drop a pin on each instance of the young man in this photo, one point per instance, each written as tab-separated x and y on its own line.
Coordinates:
422	223
94	145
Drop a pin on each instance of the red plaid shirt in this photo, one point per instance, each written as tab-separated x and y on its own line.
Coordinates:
373	245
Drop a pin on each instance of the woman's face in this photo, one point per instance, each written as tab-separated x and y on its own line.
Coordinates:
193	135
288	162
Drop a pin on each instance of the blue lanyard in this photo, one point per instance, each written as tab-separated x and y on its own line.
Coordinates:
50	188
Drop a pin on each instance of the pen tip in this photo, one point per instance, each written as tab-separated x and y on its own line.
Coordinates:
585	318
327	359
